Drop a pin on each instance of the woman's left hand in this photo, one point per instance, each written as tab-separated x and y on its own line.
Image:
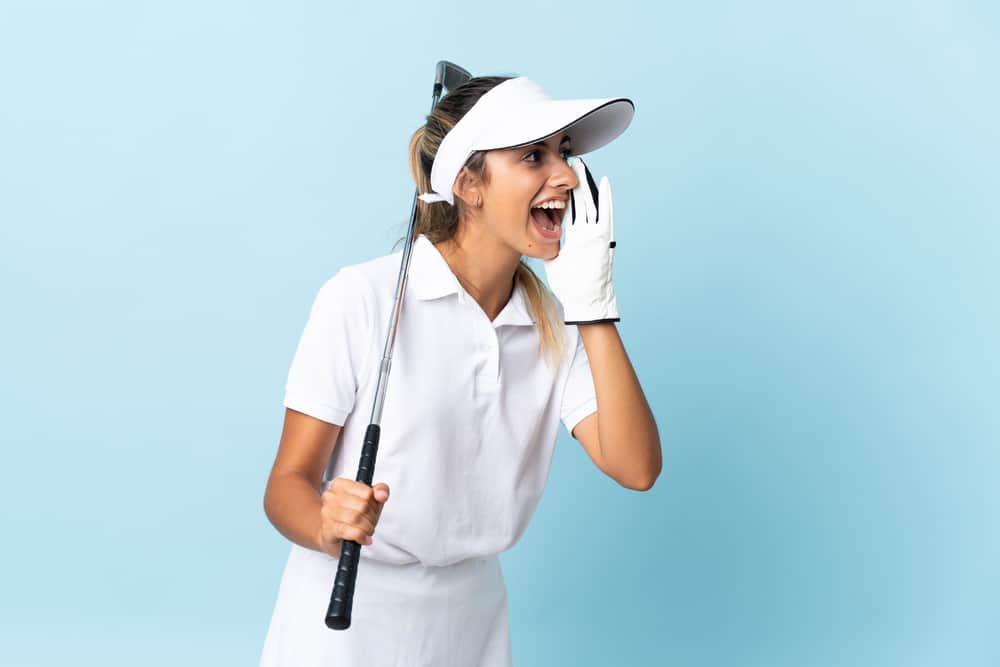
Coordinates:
580	276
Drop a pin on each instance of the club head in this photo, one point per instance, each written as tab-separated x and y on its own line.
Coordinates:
450	75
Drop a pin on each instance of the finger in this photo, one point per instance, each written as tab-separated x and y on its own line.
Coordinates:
365	523
362	520
348	509
606	212
569	215
350	517
381	492
588	190
351	503
579	197
578	194
331	501
357	490
346	486
348	532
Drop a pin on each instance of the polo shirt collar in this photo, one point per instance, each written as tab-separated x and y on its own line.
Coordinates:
516	312
430	277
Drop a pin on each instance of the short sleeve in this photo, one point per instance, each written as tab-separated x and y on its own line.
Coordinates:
333	351
579	397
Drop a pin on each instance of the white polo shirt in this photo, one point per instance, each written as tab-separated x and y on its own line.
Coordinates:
471	410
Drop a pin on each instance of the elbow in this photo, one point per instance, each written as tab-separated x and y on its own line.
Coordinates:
645	486
641	482
270	501
267	506
644	481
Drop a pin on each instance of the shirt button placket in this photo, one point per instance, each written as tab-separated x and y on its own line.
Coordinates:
494	357
486	352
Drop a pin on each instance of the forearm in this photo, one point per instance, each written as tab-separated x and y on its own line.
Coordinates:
629	439
292	504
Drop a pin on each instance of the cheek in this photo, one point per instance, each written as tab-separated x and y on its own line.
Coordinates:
513	189
514	205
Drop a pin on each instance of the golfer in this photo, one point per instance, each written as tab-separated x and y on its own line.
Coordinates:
486	363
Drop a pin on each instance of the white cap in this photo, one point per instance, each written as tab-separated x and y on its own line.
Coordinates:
517	112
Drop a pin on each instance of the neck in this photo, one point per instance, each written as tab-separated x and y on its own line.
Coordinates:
484	266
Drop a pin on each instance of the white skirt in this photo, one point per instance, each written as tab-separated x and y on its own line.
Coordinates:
412	615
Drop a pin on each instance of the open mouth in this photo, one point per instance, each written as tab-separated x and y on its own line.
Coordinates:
548	218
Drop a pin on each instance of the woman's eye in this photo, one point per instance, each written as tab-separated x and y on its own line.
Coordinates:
565	154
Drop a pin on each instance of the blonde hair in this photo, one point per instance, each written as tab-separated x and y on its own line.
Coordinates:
439	221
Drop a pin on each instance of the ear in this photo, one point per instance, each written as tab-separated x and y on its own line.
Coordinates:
467	188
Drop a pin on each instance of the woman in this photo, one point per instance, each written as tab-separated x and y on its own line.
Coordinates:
486	363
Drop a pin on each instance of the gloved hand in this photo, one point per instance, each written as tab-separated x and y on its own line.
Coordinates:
580	276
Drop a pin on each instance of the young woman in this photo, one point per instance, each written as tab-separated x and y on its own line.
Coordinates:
486	363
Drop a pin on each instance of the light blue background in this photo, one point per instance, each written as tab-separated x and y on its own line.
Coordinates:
806	210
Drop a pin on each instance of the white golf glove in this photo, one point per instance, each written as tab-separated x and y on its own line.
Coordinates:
580	276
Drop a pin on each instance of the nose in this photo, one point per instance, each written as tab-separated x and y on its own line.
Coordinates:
564	177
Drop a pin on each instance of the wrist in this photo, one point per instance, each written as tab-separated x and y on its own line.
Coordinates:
328	547
593	310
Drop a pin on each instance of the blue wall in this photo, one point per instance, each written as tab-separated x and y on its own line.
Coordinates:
807	272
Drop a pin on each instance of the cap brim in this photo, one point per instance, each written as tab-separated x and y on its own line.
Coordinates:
590	123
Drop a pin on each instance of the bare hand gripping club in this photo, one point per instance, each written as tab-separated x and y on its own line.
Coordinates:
338	614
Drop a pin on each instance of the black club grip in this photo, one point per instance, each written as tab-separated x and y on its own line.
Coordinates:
338	614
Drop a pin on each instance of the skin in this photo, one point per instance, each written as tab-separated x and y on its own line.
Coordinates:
621	438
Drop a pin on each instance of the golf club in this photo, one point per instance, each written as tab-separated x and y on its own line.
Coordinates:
338	615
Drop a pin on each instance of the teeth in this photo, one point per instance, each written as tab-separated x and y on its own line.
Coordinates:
545	221
552	204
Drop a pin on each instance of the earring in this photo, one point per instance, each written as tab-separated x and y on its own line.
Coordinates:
477	203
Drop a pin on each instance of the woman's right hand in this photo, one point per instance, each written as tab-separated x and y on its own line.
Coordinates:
350	512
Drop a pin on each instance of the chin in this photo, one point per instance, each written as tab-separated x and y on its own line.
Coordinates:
539	251
552	254
540	248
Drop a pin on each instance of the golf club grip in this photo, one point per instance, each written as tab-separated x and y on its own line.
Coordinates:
338	613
